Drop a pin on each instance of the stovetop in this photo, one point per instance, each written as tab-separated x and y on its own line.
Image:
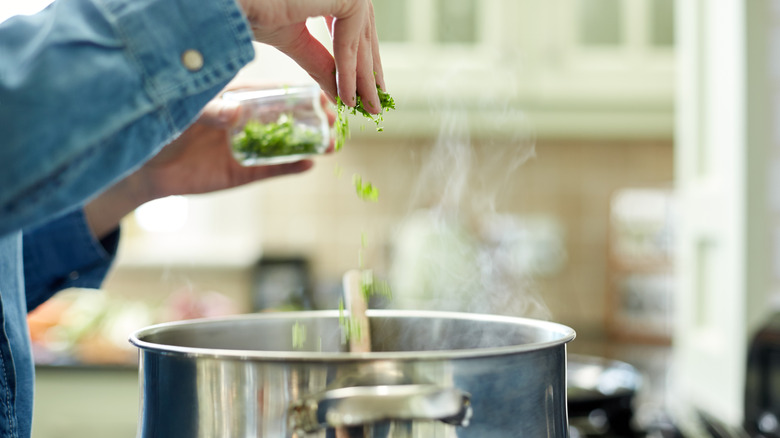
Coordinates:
597	425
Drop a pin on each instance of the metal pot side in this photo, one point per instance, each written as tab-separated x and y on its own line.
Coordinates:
241	377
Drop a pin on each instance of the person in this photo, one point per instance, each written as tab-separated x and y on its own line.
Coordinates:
104	105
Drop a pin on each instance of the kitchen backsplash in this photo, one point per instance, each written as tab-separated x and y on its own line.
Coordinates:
566	187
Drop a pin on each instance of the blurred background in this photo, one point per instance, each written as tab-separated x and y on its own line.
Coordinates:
605	164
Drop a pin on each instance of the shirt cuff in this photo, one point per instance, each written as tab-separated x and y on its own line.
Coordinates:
64	253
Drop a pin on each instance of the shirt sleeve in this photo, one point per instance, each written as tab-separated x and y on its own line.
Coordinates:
64	253
90	89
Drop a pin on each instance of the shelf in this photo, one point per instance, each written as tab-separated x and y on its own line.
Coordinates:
640	269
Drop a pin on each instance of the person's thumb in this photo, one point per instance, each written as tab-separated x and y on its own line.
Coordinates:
221	113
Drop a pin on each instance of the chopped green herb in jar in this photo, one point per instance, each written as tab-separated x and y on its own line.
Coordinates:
280	138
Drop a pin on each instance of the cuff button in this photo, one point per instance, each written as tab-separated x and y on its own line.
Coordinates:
192	60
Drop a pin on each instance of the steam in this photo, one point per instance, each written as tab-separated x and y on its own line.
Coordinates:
454	251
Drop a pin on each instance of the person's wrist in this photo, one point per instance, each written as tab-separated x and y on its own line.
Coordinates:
137	188
104	213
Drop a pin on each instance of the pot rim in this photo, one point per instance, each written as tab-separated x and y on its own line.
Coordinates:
565	335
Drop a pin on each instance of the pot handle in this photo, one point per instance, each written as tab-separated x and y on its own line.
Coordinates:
359	405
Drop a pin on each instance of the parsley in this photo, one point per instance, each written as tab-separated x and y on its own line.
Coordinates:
350	327
341	126
298	335
365	191
261	140
370	286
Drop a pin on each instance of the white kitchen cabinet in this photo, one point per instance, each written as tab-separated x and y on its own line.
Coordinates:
577	68
724	151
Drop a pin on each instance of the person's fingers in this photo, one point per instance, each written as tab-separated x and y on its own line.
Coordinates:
347	34
355	59
331	114
367	67
275	13
329	24
366	83
313	57
326	104
256	173
379	75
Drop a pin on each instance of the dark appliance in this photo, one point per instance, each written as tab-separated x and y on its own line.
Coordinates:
282	283
601	396
762	381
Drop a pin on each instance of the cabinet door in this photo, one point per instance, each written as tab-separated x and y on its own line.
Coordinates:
721	157
577	68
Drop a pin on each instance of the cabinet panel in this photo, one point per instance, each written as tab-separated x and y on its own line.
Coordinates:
577	68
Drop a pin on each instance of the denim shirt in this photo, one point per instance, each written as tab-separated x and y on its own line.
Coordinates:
89	90
35	264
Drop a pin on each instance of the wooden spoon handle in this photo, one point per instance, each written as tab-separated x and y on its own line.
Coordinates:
356	306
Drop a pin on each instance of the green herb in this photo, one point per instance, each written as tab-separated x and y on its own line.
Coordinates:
386	102
365	191
350	327
283	137
371	286
341	125
298	335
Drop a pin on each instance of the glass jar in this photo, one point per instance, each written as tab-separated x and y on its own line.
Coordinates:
279	125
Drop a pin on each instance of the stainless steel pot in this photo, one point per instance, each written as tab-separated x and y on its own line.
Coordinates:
431	374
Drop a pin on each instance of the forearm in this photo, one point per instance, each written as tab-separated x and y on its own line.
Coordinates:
104	213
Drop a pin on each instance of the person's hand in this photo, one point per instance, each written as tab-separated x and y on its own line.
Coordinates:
198	161
355	67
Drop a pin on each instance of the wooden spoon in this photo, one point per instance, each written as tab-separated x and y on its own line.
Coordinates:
356	306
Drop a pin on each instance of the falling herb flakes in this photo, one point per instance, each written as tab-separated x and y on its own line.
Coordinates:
371	286
350	327
365	190
298	335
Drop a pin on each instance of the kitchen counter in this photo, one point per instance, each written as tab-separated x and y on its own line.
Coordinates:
85	402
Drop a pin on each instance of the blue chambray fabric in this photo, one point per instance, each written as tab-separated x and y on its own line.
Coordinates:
63	253
89	89
16	366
